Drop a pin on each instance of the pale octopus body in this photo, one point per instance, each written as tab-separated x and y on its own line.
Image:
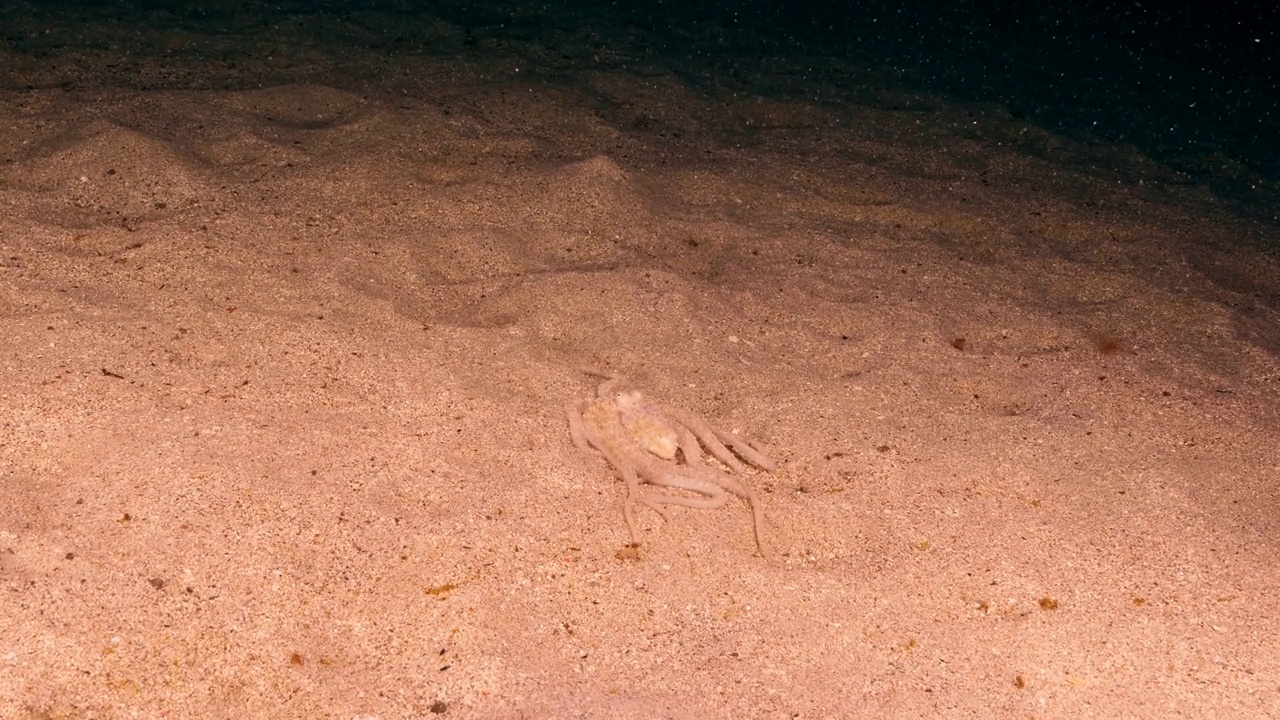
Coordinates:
641	441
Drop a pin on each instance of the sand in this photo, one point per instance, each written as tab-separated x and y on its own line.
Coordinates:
287	347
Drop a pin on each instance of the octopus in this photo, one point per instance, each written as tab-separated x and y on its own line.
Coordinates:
650	446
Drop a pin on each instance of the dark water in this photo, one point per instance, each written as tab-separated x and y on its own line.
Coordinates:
1195	89
1194	85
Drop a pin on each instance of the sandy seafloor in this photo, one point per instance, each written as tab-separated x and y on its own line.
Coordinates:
288	335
